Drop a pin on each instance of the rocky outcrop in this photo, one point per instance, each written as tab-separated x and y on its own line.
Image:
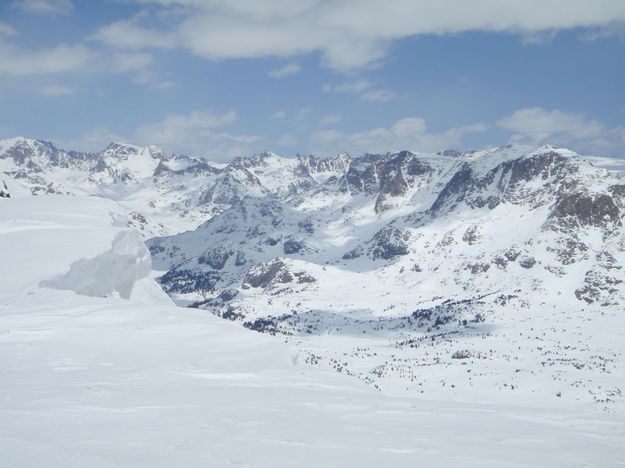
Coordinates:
504	183
390	242
215	258
4	190
267	274
584	209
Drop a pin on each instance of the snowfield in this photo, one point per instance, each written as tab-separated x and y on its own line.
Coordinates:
99	368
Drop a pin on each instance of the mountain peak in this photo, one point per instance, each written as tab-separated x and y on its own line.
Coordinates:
117	145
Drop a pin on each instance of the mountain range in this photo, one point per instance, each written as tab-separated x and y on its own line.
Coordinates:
494	274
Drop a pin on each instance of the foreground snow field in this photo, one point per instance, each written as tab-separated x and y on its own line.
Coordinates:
89	381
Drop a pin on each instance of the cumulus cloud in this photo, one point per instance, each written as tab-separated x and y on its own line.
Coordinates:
129	34
56	90
349	34
409	133
287	70
573	130
197	133
48	7
539	125
93	140
59	59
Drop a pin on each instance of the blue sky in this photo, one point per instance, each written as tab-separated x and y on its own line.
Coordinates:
221	79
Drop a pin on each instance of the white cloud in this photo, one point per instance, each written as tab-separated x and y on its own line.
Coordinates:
378	95
127	34
93	140
351	87
279	115
409	133
56	90
287	140
361	87
616	29
287	70
59	59
67	58
197	133
573	130
331	119
349	34
147	77
538	125
7	30
165	85
538	37
50	7
130	61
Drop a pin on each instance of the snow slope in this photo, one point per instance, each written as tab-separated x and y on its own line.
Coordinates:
109	382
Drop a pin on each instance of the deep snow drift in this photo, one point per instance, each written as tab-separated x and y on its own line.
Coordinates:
107	382
112	273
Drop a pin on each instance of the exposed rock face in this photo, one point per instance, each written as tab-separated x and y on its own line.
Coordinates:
267	274
390	242
471	235
216	258
4	190
527	262
456	189
183	281
618	192
582	209
293	246
394	187
389	175
231	187
505	183
598	287
240	260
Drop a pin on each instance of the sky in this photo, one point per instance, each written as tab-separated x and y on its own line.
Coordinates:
220	79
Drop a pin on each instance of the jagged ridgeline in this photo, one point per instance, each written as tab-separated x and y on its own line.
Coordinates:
443	224
512	217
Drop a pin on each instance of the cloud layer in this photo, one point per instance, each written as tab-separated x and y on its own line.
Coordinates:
537	125
349	34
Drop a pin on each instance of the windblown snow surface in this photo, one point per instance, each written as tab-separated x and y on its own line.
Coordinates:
98	368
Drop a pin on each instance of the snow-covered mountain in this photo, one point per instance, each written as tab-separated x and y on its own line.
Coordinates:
452	275
98	369
161	191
